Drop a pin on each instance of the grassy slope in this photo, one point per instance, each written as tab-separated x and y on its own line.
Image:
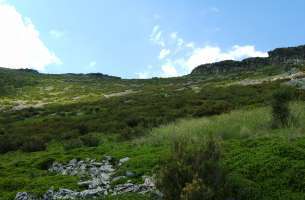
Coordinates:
272	160
72	100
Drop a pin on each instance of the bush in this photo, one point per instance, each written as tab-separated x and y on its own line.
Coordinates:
44	163
90	140
73	144
193	171
33	144
7	144
280	107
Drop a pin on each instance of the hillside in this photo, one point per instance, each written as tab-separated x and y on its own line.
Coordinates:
88	135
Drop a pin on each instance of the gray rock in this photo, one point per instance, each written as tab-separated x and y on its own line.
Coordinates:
99	183
23	196
92	193
123	160
130	174
49	195
73	162
118	178
65	194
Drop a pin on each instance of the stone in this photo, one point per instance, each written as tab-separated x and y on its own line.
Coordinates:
117	178
49	195
65	194
73	162
96	177
92	193
23	196
123	160
130	174
106	168
148	181
124	188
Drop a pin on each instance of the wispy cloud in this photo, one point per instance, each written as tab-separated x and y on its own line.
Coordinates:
21	45
156	36
164	53
169	70
178	56
143	75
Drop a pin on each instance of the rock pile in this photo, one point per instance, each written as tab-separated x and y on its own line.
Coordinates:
96	177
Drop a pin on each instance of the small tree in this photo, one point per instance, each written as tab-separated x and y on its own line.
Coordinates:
280	107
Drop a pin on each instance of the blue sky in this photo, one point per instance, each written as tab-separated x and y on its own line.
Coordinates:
141	39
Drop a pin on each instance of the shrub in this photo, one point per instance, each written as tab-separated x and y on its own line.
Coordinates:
32	144
90	140
44	163
83	129
69	134
280	107
193	171
73	144
6	144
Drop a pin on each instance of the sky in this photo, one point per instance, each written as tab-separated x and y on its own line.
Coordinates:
143	38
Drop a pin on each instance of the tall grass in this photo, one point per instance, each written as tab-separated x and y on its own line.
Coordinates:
234	125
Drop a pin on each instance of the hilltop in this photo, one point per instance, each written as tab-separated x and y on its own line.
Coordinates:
280	57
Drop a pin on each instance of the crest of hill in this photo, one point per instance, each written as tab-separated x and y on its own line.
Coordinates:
28	71
291	56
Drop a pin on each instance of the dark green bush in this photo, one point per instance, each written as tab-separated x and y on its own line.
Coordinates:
90	140
44	163
73	144
69	134
193	171
83	129
34	143
5	144
280	107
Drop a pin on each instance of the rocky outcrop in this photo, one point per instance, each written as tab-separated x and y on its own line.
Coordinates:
290	55
280	56
97	178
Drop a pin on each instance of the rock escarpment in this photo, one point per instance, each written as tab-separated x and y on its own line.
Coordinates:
280	56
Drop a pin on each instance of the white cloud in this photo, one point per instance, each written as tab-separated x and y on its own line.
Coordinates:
190	45
143	75
210	54
164	53
169	70
56	33
174	35
156	36
183	56
21	46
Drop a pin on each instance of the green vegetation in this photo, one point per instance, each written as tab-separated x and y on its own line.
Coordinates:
280	108
269	161
47	118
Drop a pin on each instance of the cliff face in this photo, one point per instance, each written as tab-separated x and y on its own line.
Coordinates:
290	55
280	56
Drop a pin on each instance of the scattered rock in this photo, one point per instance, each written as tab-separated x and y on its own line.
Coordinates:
100	175
23	196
